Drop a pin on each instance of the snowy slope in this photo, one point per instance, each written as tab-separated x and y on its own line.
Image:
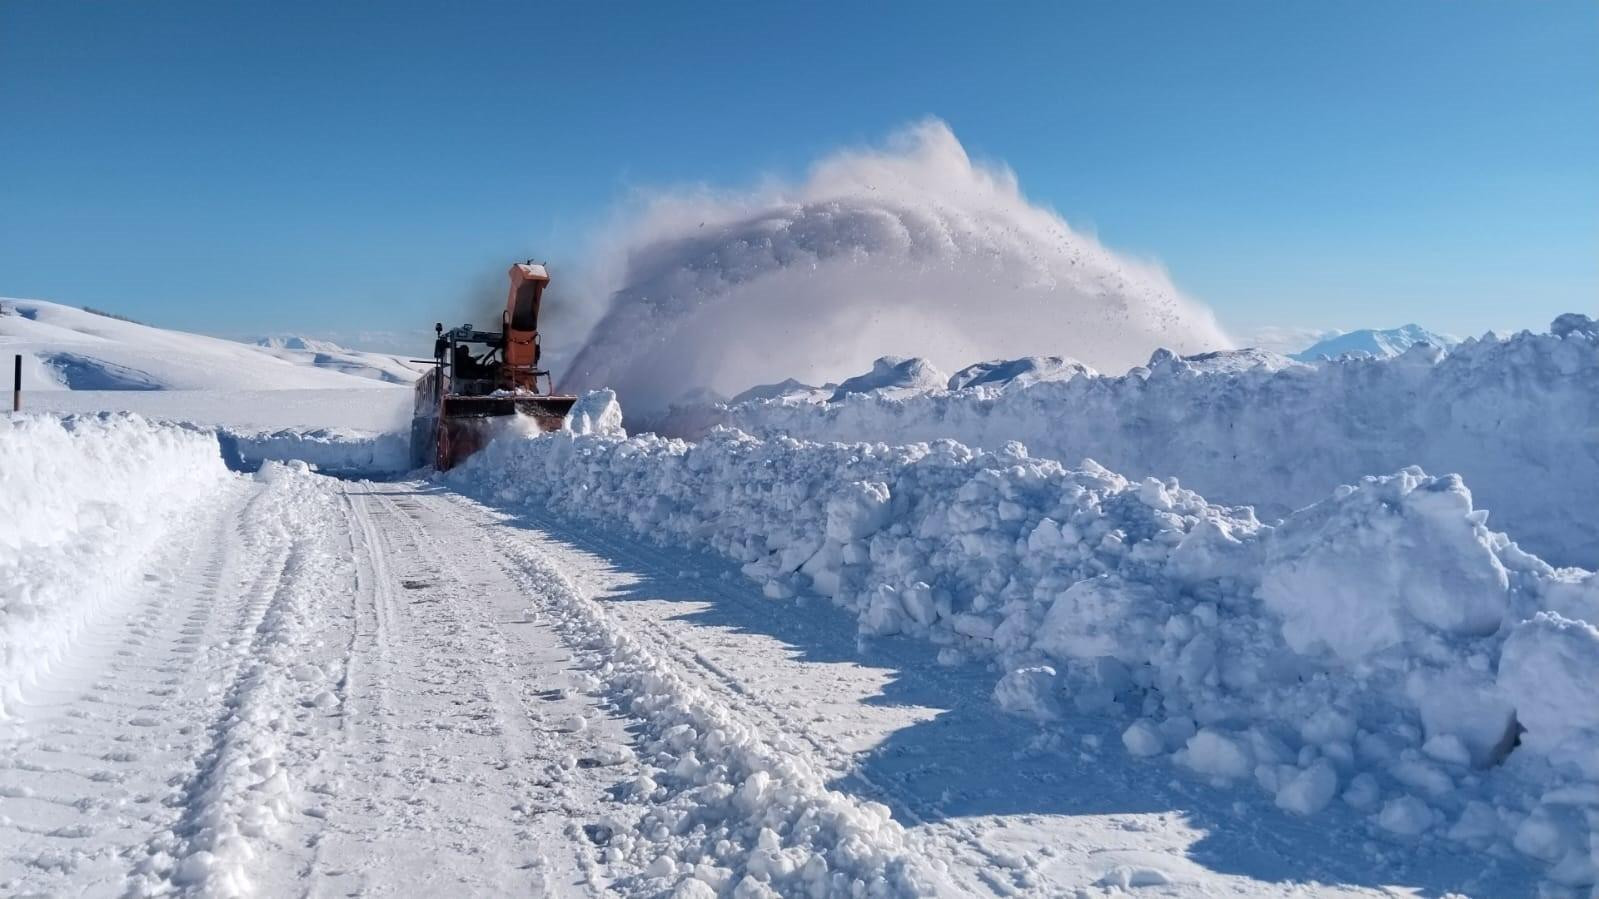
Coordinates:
1374	343
328	355
65	348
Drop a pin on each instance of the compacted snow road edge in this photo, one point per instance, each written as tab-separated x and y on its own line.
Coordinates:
731	809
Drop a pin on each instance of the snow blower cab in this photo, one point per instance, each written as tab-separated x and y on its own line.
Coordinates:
479	378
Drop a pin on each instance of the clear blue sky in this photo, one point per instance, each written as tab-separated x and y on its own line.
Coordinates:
252	167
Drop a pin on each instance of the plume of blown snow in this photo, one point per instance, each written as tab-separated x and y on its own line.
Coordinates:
910	250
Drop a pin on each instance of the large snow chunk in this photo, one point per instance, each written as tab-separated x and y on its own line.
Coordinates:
1102	617
1216	755
1143	739
857	511
596	412
1465	705
1406	816
1030	693
1309	791
1359	572
1549	669
894	372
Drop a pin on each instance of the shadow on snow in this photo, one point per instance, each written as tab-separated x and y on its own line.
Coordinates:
970	759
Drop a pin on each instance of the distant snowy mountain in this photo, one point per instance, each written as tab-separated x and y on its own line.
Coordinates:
788	387
1374	343
292	342
67	348
914	374
329	355
1026	370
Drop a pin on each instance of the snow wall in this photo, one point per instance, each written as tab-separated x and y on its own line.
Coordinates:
1518	418
336	451
87	497
1381	648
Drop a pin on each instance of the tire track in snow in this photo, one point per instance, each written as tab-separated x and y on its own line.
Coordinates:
742	804
977	868
96	759
277	703
454	773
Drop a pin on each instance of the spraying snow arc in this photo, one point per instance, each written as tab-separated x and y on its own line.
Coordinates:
911	250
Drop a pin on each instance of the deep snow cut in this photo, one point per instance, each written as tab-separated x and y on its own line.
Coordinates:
913	249
1517	417
1382	648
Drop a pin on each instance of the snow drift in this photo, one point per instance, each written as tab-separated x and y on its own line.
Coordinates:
1517	417
914	249
1382	648
86	498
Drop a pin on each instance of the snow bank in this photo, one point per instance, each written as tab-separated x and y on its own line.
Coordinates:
1515	417
1380	646
336	451
85	498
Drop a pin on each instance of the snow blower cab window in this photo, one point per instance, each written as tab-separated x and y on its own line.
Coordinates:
465	366
525	316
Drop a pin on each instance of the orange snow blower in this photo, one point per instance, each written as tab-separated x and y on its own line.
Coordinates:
462	396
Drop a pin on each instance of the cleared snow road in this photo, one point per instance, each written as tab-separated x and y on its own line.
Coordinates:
329	689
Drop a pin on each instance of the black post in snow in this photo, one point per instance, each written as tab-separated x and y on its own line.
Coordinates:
16	385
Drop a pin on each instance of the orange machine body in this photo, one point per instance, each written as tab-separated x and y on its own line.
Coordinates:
520	326
461	399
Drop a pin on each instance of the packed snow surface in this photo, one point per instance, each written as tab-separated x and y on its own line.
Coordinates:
1515	416
1382	647
911	250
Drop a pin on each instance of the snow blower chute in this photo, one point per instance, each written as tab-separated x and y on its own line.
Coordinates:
459	400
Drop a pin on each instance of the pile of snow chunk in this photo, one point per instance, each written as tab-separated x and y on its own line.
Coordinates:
1382	648
1516	417
86	498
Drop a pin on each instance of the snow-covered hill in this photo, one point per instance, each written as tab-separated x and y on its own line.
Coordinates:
328	355
1374	343
66	348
